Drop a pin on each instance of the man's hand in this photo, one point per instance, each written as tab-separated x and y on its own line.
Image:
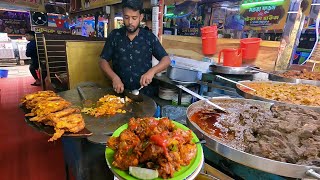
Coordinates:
117	85
146	79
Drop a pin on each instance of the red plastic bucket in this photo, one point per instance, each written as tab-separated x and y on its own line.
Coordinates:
209	45
250	48
209	39
209	31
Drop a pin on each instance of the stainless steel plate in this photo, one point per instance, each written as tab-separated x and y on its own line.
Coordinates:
274	76
251	96
232	70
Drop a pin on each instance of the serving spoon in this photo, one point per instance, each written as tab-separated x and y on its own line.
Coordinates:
220	109
235	82
136	91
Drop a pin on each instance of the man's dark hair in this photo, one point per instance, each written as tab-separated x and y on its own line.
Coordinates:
135	5
31	33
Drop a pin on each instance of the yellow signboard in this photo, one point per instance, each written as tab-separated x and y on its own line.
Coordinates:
32	5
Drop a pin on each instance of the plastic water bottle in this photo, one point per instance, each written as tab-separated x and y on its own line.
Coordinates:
173	62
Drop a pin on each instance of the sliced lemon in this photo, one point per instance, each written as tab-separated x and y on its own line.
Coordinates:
143	173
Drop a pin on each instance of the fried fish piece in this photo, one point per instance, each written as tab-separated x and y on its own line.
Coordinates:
58	133
64	112
73	123
57	115
33	103
44	108
30	97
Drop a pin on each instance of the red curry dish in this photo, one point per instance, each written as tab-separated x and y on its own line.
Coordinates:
154	144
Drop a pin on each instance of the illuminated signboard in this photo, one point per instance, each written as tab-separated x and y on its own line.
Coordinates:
266	14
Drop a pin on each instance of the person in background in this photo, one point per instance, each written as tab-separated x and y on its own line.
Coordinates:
131	49
31	52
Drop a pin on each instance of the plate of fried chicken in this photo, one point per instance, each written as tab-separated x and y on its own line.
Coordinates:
162	145
53	114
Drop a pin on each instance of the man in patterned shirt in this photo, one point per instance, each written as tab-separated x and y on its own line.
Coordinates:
131	49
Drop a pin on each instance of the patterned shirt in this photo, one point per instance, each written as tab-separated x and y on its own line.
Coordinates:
131	59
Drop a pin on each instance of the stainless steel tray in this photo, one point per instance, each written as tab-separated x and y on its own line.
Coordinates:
274	76
232	70
251	96
181	74
253	161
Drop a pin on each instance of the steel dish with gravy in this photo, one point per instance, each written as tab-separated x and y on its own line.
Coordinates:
154	144
282	133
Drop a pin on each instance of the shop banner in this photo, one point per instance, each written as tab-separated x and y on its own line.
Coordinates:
58	21
87	26
51	30
32	5
189	32
91	4
12	22
264	14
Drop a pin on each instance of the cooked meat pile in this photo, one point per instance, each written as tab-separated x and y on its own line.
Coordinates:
154	144
283	133
301	94
304	74
49	108
108	105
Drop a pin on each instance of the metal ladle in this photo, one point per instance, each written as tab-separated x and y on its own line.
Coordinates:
136	91
202	98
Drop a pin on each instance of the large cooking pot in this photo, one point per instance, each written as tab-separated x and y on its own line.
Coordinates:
250	160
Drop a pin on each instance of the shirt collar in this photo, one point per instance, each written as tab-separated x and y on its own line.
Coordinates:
124	31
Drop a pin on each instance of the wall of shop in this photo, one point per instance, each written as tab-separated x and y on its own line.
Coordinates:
191	47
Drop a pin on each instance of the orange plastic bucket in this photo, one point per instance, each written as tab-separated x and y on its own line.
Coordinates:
209	45
209	39
231	57
209	31
250	48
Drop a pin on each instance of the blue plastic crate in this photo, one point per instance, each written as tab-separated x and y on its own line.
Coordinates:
3	73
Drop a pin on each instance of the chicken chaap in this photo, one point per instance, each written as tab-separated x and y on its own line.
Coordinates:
153	144
49	108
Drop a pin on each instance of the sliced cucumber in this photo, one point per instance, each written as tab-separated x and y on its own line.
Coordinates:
143	173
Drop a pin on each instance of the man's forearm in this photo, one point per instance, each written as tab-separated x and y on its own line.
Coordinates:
163	64
106	68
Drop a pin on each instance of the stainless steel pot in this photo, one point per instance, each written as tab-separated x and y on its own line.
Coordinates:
253	161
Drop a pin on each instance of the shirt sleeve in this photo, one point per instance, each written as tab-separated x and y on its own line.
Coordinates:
28	50
108	48
158	51
31	50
